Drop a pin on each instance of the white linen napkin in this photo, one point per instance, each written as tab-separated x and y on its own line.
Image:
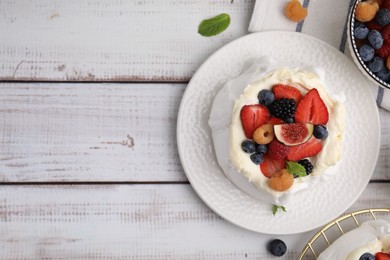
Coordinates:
326	20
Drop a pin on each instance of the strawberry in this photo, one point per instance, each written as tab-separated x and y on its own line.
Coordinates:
270	166
275	121
311	109
384	51
253	116
286	91
310	148
382	256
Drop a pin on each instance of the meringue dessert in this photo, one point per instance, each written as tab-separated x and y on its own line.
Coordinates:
371	240
276	130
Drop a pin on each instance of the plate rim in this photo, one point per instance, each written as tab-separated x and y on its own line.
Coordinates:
181	112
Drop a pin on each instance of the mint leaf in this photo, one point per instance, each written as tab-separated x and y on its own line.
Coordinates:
275	209
214	26
296	169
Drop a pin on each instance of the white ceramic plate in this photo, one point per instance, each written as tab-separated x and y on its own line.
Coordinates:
310	208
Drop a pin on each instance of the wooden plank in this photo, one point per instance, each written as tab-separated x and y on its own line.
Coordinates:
101	132
132	222
89	132
111	40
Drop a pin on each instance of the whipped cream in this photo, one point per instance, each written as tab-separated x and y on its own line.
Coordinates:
228	133
370	237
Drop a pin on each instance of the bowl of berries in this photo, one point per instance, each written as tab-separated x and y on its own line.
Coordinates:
369	38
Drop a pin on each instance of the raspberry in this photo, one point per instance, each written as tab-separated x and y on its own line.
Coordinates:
386	33
384	52
372	25
295	11
366	11
264	134
281	180
277	150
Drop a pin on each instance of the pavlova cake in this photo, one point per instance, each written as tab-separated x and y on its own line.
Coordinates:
276	130
370	241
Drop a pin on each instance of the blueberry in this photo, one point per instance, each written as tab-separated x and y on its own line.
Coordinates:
375	38
376	64
358	24
289	120
277	247
261	148
257	158
248	146
266	97
320	132
367	256
366	52
382	17
361	32
384	74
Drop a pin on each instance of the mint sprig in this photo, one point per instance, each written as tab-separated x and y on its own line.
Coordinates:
296	169
275	209
214	26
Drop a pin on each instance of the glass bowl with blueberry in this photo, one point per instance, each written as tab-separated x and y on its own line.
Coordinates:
369	38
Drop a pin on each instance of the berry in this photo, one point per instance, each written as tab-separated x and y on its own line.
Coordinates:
358	24
281	180
295	11
310	148
366	11
320	132
286	91
367	256
384	74
257	158
275	121
307	164
283	108
386	33
386	4
289	120
248	146
277	247
376	64
361	32
372	25
375	39
266	97
270	166
277	150
264	134
382	17
366	52
293	134
312	109
382	256
261	148
253	116
383	52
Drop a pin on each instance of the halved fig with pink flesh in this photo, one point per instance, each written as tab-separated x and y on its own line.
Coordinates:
293	134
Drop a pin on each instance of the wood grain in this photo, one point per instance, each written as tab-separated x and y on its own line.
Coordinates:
111	40
101	132
132	222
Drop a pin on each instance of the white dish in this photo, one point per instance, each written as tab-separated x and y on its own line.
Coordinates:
310	208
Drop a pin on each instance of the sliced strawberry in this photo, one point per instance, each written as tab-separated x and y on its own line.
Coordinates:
286	91
310	148
382	256
253	116
270	166
312	109
275	121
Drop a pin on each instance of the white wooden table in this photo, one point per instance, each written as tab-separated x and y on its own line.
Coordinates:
89	167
